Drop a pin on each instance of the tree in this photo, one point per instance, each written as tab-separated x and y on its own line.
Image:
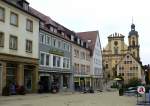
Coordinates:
134	82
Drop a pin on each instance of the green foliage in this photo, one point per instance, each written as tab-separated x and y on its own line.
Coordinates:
134	82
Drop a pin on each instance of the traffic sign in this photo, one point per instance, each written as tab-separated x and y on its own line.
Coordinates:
141	89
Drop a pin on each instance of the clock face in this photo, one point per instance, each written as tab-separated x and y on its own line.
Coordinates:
115	43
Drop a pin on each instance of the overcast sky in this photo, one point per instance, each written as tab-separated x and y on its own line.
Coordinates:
106	16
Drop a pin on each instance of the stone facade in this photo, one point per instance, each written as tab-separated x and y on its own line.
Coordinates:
116	50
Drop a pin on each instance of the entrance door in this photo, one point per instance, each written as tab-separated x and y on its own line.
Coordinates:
0	78
28	80
45	83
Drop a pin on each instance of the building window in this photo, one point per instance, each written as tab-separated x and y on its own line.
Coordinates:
106	66
29	46
14	19
83	69
13	42
42	38
48	40
76	68
51	29
68	47
59	44
56	61
1	39
87	56
47	60
87	69
41	24
55	30
134	54
54	42
29	25
2	14
42	58
115	50
115	43
65	46
76	53
66	63
82	55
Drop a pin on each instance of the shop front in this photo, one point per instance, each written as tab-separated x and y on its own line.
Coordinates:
18	73
97	83
50	81
82	83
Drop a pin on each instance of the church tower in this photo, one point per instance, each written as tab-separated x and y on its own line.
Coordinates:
133	40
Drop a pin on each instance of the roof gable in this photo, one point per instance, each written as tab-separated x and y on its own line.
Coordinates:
90	37
128	55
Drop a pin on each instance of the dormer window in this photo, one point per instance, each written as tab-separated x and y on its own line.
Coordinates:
59	31
75	39
72	38
55	30
41	24
51	29
81	43
26	5
78	41
84	44
62	33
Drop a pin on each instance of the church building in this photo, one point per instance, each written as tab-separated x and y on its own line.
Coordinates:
120	59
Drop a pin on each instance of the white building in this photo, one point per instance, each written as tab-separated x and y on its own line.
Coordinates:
19	31
92	37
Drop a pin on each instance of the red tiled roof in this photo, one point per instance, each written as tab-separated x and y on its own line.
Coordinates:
90	35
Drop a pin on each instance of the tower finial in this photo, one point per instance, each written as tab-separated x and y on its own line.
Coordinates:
132	19
132	25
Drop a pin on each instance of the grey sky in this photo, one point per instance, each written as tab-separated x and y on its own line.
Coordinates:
107	16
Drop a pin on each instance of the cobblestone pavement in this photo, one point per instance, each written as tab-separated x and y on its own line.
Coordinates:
69	99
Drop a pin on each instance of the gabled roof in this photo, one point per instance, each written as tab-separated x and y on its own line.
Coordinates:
132	57
87	36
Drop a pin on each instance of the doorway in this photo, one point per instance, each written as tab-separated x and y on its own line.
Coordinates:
45	83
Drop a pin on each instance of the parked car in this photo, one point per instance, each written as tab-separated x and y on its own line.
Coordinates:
131	91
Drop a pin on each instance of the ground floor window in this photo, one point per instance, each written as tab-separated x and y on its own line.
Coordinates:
11	73
65	81
28	79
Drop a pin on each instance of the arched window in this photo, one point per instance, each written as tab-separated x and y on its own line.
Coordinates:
133	42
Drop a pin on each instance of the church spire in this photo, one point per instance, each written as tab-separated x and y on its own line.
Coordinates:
132	25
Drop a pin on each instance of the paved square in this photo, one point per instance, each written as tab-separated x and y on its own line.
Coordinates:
77	99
